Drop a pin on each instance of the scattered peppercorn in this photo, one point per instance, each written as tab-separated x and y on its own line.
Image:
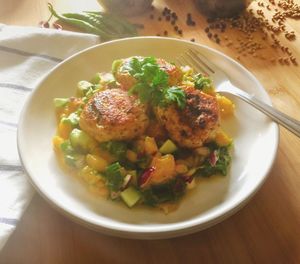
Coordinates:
251	26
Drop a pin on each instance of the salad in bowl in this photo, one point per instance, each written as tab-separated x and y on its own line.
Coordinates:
144	132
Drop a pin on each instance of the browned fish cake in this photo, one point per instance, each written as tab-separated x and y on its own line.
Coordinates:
127	81
114	115
193	125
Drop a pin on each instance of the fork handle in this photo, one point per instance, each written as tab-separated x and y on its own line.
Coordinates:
286	121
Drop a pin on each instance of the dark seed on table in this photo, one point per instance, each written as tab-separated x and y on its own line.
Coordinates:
176	28
165	32
193	40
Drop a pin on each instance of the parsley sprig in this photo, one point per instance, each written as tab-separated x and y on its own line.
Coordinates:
152	83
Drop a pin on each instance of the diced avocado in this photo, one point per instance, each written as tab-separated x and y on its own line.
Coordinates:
72	119
83	87
75	160
130	196
81	141
168	147
60	102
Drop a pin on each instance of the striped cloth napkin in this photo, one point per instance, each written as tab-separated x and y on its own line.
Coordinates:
26	54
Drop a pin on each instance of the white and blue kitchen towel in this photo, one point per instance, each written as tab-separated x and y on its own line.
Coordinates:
26	54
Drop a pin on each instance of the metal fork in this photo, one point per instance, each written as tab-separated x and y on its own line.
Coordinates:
223	85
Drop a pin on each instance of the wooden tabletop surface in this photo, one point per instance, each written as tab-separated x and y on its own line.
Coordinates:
266	230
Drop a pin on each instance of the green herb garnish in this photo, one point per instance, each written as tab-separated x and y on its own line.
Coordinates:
202	82
114	179
152	83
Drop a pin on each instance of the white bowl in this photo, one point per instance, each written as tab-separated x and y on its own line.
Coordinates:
214	199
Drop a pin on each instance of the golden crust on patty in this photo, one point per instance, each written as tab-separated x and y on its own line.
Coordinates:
127	81
114	115
193	125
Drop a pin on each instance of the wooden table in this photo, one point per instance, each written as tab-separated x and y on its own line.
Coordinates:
265	231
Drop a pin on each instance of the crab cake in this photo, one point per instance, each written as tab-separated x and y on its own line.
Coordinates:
193	125
114	115
123	76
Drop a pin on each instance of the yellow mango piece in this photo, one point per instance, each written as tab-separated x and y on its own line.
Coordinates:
131	155
64	130
150	146
96	162
103	154
164	169
226	106
181	168
99	189
222	139
57	141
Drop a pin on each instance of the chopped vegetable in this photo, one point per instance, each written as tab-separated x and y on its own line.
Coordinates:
116	148
81	141
202	82
60	102
114	177
168	147
75	160
169	191
216	163
130	196
96	162
83	87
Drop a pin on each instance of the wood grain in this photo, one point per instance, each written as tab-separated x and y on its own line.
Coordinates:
265	231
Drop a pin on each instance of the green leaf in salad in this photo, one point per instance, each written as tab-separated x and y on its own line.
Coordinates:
202	82
217	163
167	192
116	148
114	178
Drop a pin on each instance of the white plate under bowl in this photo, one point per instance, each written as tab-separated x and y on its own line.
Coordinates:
255	147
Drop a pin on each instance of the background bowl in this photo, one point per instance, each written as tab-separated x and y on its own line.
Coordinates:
214	199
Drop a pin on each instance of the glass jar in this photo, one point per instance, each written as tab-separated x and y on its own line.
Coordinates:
126	7
221	8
